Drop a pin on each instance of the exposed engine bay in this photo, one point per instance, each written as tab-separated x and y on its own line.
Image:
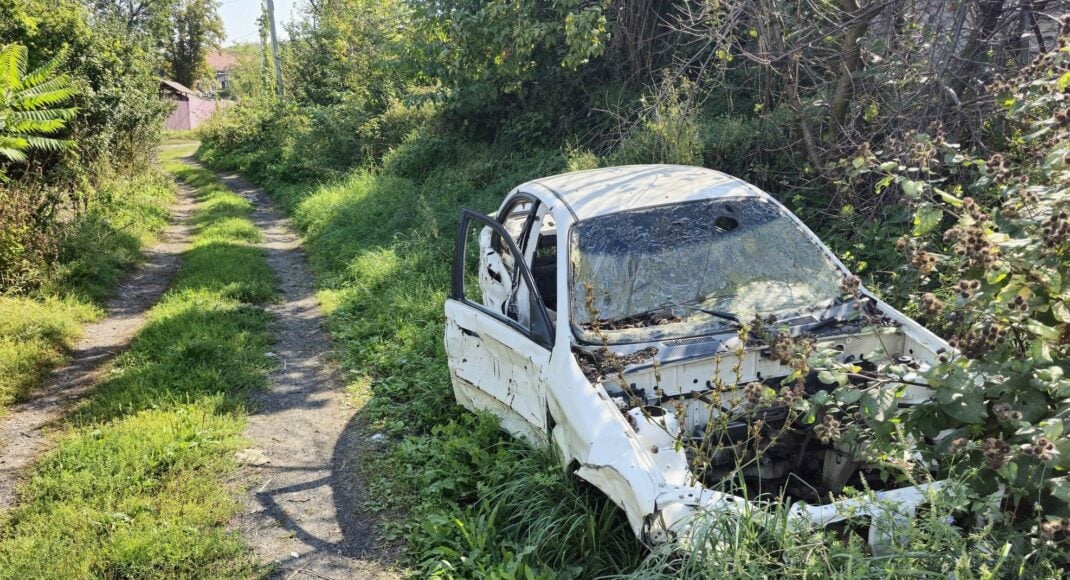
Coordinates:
719	412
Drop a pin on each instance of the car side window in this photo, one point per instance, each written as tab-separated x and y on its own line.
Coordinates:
516	219
544	263
490	272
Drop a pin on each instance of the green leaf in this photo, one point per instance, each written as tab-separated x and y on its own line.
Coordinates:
1042	330
879	403
1050	374
883	183
966	405
996	276
926	219
1063	82
889	165
1060	311
1040	351
848	396
947	197
832	378
911	188
1052	428
1060	487
1051	278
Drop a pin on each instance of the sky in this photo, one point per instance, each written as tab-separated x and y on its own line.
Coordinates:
239	18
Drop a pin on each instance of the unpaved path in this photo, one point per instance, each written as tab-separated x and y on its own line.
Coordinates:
25	430
305	496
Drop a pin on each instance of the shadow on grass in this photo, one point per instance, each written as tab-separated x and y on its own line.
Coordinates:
197	346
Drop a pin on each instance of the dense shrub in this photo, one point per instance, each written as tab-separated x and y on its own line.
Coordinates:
669	133
993	280
27	235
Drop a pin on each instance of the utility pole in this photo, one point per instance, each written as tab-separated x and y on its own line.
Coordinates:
275	47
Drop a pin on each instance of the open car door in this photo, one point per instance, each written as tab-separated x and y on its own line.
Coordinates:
498	334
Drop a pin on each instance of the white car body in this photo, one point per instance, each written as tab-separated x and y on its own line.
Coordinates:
514	356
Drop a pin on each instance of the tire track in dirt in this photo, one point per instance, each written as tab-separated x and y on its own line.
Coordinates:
25	432
304	497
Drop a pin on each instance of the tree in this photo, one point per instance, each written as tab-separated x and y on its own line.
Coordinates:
196	28
151	17
26	101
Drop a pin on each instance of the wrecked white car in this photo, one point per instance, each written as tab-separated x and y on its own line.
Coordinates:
600	312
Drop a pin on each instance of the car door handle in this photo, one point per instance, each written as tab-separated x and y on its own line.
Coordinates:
471	333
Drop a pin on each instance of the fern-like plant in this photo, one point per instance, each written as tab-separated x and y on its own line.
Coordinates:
27	116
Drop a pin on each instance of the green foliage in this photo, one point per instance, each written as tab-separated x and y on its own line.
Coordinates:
106	241
755	148
86	259
27	111
768	546
350	50
510	81
1001	402
119	114
669	133
477	503
499	56
33	337
195	28
27	236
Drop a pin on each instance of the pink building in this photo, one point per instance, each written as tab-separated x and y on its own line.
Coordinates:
190	109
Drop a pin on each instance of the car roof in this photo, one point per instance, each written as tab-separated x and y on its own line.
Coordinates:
609	190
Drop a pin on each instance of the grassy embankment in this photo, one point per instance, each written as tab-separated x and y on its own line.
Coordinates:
474	502
134	487
97	249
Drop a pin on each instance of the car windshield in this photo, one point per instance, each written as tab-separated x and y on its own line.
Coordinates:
689	269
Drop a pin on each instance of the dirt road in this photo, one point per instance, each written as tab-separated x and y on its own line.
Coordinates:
25	431
304	499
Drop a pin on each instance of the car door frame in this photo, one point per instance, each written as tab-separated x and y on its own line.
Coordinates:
492	330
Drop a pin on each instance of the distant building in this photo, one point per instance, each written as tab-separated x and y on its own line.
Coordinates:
190	110
222	63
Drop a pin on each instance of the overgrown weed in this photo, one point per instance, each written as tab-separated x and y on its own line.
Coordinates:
93	252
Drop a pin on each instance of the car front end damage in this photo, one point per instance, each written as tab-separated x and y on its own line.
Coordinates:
696	439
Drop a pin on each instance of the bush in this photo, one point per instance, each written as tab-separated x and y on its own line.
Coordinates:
996	279
668	133
27	235
383	132
752	148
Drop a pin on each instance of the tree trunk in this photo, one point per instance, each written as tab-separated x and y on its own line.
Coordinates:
850	63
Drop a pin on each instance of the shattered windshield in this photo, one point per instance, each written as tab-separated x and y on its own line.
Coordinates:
693	268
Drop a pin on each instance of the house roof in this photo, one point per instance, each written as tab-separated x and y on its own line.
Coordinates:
178	87
221	61
612	189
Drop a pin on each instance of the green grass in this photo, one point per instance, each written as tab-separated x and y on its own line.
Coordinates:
97	248
33	335
134	487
